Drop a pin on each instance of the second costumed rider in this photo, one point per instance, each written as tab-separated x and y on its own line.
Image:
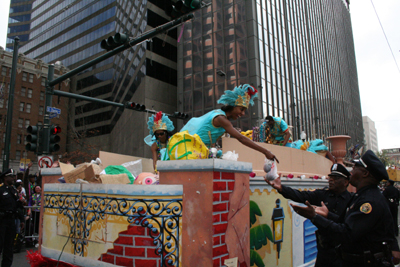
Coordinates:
160	127
208	128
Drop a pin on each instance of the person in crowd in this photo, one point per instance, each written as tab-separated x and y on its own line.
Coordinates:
36	202
23	191
8	213
335	198
31	188
366	232
160	127
392	196
20	206
279	131
211	126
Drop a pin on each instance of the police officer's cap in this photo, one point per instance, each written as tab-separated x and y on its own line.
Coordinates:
9	172
373	164
339	170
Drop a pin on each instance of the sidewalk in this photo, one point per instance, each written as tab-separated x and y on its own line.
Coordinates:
20	259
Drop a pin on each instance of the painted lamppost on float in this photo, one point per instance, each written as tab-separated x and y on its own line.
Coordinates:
278	217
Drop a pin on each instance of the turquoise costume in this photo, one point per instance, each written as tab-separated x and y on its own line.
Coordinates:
156	122
278	132
203	126
182	147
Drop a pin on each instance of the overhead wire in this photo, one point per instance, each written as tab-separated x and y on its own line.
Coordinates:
383	30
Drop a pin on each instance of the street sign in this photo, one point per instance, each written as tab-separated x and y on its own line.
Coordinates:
53	115
53	110
45	162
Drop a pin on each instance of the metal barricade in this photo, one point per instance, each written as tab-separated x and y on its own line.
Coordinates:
32	220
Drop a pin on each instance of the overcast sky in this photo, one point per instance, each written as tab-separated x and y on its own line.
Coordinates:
378	75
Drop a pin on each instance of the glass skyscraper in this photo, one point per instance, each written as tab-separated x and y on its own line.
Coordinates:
299	54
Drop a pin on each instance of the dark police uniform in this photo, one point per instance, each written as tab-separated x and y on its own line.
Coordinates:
366	234
8	208
392	195
336	204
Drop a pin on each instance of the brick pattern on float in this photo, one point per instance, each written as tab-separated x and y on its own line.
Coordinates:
223	185
133	247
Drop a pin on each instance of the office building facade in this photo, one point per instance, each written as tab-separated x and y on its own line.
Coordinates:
370	134
298	54
19	22
394	156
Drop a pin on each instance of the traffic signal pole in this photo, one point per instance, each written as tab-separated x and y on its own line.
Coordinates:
131	43
7	143
46	121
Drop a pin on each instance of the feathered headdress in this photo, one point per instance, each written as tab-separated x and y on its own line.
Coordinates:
241	96
160	121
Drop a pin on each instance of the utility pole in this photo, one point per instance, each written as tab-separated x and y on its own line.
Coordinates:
7	144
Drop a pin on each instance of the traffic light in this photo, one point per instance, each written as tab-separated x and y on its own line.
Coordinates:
114	41
193	4
54	138
32	138
135	106
180	115
181	7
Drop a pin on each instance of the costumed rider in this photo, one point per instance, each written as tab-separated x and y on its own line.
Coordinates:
278	130
211	126
160	127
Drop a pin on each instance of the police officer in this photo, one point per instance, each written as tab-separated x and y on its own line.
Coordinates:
8	212
335	197
366	232
392	195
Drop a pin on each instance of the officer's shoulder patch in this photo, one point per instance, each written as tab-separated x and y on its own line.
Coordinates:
366	208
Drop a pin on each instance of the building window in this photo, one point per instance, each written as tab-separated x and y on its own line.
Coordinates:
21	106
29	93
25	142
43	81
41	95
1	118
28	108
40	123
24	76
3	71
23	91
7	104
41	110
1	103
20	122
18	155
27	123
19	138
31	78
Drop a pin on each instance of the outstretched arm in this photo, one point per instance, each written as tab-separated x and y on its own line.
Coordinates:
287	137
223	122
154	154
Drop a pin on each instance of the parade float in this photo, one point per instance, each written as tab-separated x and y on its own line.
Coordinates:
200	213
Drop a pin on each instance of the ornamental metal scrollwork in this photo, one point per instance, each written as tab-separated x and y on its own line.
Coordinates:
161	216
